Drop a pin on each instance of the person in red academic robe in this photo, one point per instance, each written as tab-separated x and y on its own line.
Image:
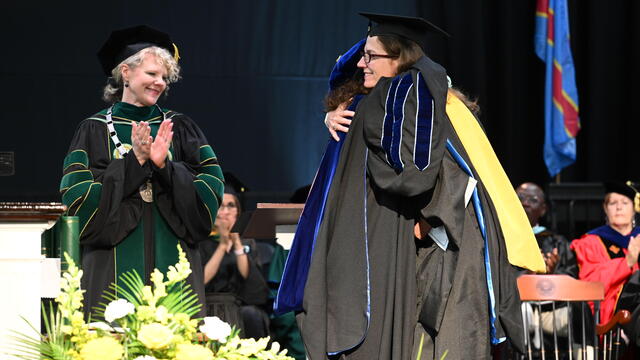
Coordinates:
609	254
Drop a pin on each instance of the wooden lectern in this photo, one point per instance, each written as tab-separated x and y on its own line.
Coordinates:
22	265
270	221
277	221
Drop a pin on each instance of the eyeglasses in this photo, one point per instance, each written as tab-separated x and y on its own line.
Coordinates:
532	200
229	206
371	56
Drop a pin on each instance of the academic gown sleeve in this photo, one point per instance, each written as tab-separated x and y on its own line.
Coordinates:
406	129
406	132
101	190
190	187
567	264
596	265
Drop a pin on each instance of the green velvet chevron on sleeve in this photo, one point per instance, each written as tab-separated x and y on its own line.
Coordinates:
80	193
209	182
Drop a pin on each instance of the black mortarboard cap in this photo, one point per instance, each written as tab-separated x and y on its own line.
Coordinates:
233	185
125	42
628	189
410	28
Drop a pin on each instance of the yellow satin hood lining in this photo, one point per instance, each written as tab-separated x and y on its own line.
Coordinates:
521	244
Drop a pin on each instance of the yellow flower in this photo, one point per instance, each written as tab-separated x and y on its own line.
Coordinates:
66	329
181	318
72	354
144	313
104	348
193	352
155	336
250	346
178	339
147	295
181	270
157	279
77	319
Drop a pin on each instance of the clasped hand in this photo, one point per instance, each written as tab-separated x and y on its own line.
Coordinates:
551	260
338	120
633	250
145	147
228	240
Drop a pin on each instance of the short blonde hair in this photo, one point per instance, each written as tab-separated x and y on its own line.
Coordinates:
112	92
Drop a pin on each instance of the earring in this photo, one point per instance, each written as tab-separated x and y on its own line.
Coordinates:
126	84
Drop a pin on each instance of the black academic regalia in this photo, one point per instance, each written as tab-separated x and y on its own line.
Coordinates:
234	299
118	230
371	293
566	265
630	300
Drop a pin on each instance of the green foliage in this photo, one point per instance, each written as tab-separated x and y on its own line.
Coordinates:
138	320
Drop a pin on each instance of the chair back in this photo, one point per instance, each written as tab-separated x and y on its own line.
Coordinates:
558	288
558	306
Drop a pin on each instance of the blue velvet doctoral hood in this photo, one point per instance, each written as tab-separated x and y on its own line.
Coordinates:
291	290
608	233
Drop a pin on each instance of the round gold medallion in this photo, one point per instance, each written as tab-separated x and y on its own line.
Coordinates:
146	192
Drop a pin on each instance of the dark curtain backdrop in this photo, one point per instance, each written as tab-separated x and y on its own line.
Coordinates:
255	73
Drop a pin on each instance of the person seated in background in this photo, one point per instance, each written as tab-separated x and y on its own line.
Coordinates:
558	257
609	254
235	288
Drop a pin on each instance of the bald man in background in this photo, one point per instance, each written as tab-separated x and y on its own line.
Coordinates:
557	256
555	247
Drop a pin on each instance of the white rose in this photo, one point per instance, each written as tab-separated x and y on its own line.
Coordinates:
118	309
216	329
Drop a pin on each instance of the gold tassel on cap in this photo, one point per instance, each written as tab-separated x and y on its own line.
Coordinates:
176	53
636	199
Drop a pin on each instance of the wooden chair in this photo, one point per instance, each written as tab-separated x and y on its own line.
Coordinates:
610	333
565	289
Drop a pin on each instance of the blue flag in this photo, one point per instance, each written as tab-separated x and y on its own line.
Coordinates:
561	95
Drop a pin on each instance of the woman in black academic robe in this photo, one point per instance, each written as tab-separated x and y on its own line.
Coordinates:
235	288
377	283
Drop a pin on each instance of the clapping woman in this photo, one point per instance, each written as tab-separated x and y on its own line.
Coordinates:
141	178
609	254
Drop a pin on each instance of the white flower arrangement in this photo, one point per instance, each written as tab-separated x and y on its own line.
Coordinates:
151	323
118	309
216	329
